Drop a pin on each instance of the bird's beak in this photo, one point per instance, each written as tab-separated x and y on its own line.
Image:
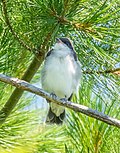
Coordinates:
58	40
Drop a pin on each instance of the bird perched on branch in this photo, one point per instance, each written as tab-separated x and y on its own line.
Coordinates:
60	76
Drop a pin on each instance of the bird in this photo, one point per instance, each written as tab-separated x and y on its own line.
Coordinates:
60	76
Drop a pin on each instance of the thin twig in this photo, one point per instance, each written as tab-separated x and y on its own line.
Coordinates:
12	30
80	26
76	107
114	71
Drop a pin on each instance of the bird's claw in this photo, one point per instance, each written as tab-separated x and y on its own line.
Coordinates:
53	95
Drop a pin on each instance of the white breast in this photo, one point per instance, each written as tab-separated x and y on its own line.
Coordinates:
59	77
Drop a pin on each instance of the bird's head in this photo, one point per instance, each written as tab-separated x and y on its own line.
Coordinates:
63	43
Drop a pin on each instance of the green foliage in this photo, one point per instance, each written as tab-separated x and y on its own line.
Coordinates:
94	28
91	135
51	140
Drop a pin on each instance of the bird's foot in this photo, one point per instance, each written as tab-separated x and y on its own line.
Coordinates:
53	95
64	99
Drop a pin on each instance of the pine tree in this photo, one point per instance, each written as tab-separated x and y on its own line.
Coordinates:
28	29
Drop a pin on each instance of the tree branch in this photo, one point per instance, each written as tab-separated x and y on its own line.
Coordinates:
76	107
114	71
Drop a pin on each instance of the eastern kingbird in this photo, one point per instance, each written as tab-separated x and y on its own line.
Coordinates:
60	76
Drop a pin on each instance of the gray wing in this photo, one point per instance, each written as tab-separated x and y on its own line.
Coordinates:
75	55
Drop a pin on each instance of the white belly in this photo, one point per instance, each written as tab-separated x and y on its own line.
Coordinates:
59	76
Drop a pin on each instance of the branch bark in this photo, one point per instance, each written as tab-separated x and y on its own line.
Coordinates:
23	85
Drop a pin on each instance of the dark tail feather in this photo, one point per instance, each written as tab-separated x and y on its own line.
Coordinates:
52	118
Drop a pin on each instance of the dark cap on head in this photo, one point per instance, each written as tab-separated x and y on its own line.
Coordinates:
65	41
